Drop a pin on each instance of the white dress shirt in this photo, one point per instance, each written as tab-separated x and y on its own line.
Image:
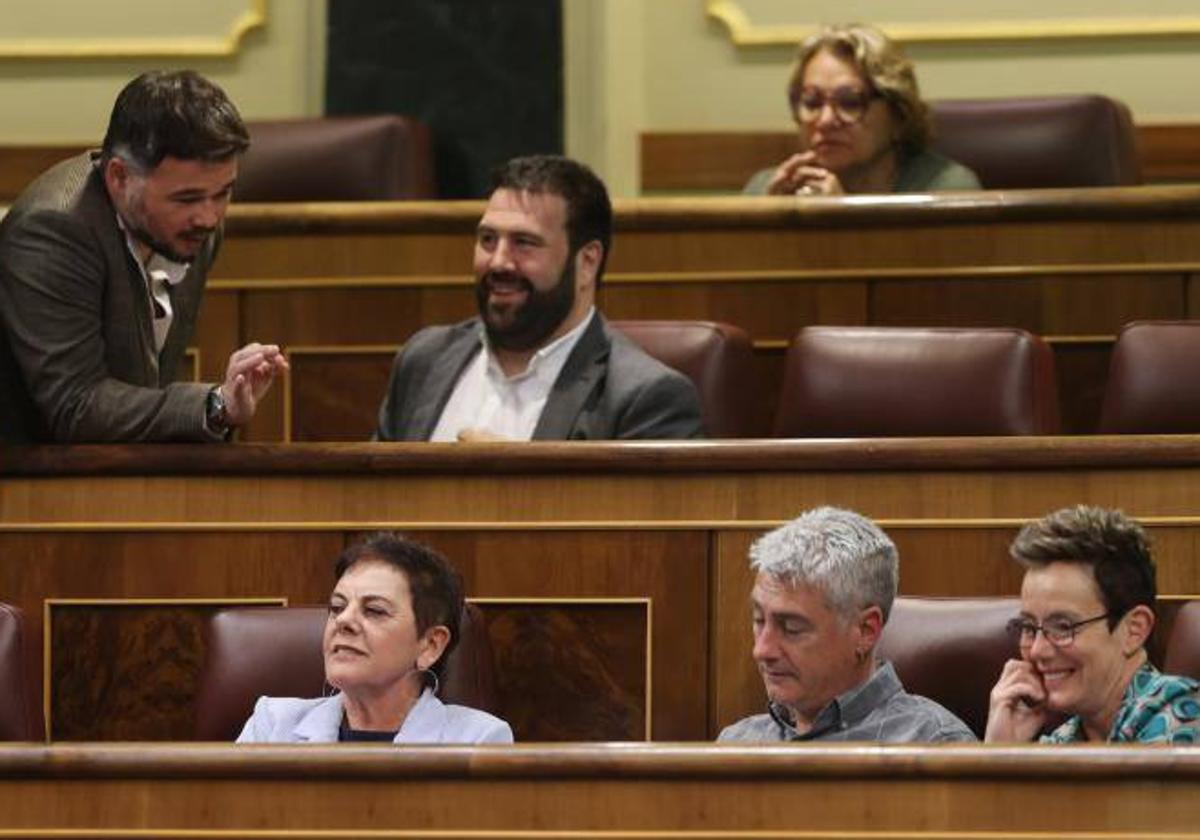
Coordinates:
159	273
507	406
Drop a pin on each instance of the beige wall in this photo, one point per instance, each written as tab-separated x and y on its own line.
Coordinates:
278	71
631	66
665	66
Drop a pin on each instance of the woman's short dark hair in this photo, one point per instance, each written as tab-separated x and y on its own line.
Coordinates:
179	114
1112	544
589	210
434	585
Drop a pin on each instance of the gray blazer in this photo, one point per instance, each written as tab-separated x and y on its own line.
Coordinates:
77	355
279	720
608	389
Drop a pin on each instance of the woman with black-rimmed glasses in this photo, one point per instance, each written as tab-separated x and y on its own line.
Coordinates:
1087	603
863	126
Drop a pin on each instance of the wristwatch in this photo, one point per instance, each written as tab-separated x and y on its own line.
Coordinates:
216	415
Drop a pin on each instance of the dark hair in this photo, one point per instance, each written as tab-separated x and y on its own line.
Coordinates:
434	585
589	211
180	114
1112	544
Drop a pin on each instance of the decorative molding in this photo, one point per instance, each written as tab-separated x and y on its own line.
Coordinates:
648	603
191	358
254	16
745	33
364	526
1014	271
322	350
49	605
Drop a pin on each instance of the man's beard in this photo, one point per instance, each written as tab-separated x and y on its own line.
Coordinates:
526	326
135	224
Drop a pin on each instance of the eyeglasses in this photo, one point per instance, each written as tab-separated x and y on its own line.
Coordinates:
849	104
1057	631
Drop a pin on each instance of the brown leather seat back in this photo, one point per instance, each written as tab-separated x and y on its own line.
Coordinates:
377	158
1044	141
718	358
1152	385
1183	645
951	650
20	714
276	651
910	382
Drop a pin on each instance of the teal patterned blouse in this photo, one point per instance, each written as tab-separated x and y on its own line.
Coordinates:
1157	709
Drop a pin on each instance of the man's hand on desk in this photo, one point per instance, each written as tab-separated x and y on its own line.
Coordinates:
479	436
248	377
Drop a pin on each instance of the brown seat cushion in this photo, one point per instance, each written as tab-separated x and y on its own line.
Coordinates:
951	650
1152	386
377	158
1043	141
717	358
20	714
912	382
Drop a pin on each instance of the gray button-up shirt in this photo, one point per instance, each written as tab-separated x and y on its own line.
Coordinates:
878	710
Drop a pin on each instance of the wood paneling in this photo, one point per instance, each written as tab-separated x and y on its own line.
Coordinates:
120	671
21	164
670	523
714	161
1169	152
586	663
722	161
334	393
130	672
563	564
635	791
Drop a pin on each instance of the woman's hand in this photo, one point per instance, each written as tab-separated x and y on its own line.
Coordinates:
800	175
1017	710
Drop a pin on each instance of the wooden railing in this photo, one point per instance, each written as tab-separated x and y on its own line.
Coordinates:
623	791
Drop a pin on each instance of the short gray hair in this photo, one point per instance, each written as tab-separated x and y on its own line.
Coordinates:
840	552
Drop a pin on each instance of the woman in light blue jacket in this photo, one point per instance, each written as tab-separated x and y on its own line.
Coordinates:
393	620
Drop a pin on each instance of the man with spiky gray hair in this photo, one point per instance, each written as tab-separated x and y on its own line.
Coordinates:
824	588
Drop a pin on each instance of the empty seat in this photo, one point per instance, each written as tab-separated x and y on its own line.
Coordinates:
377	158
1183	646
1044	141
718	358
20	714
911	382
951	650
276	651
1151	380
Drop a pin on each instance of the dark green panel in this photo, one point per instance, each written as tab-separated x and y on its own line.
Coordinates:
485	75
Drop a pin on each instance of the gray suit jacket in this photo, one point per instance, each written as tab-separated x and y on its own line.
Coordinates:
608	389
77	355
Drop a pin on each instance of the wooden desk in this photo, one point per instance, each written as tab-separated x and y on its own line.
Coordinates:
615	790
342	285
631	558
